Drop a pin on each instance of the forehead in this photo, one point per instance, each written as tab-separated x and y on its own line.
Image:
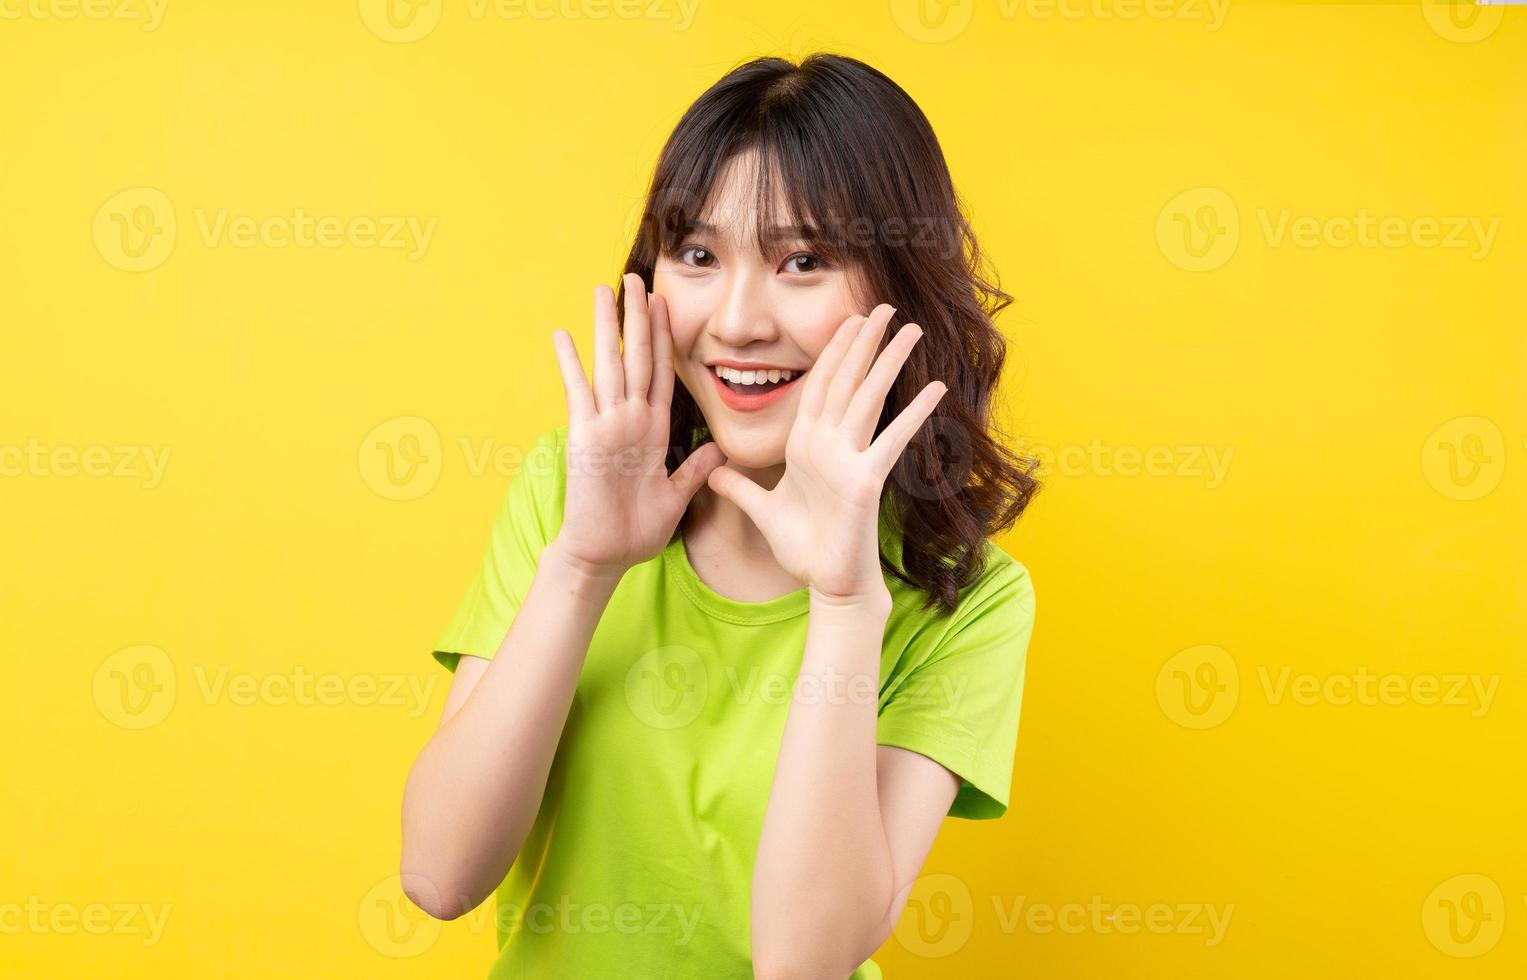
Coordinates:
731	211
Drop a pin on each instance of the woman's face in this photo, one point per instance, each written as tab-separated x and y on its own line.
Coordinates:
733	308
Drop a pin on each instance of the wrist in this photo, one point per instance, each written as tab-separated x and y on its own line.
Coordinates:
874	602
583	573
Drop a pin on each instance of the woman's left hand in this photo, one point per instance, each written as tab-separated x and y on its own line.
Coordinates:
822	519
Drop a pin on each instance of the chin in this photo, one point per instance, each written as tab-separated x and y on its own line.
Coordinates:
749	451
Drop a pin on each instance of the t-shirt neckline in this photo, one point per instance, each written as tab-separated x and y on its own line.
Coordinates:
678	568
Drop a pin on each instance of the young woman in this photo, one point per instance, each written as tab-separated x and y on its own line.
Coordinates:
740	643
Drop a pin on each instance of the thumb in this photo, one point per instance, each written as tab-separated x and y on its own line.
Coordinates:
691	474
740	490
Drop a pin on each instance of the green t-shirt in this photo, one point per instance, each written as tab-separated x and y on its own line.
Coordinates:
640	859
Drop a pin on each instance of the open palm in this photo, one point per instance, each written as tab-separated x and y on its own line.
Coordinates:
822	518
622	506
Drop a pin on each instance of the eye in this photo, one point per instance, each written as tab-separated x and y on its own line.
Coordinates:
699	251
816	263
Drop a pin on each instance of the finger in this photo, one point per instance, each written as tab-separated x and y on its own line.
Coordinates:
888	447
609	376
580	400
638	340
869	401
851	373
696	469
752	498
661	393
814	394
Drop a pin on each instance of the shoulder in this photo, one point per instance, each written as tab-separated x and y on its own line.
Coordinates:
532	502
544	465
1003	588
1004	581
552	442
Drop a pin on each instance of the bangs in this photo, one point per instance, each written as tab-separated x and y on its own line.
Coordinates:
800	191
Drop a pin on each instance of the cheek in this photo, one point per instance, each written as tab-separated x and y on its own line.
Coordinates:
818	316
682	322
685	328
821	328
685	334
686	310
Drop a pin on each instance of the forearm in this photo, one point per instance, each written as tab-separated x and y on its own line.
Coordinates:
476	786
823	877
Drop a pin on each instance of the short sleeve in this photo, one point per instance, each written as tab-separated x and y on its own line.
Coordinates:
527	520
960	705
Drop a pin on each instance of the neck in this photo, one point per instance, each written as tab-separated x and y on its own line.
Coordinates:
719	519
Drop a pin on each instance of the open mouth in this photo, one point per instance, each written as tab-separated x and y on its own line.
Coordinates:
754	382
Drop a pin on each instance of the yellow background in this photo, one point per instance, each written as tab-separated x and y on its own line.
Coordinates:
1357	527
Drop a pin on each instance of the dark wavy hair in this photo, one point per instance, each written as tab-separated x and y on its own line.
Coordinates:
865	180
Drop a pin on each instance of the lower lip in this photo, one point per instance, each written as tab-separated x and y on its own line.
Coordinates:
751	403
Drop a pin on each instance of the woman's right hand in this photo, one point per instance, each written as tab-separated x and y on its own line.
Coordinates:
621	505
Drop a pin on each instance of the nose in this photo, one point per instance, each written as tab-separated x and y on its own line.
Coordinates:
743	314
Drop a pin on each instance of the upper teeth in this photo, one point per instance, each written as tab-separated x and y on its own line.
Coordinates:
752	377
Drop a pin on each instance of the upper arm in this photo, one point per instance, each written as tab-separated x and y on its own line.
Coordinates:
959	706
915	794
